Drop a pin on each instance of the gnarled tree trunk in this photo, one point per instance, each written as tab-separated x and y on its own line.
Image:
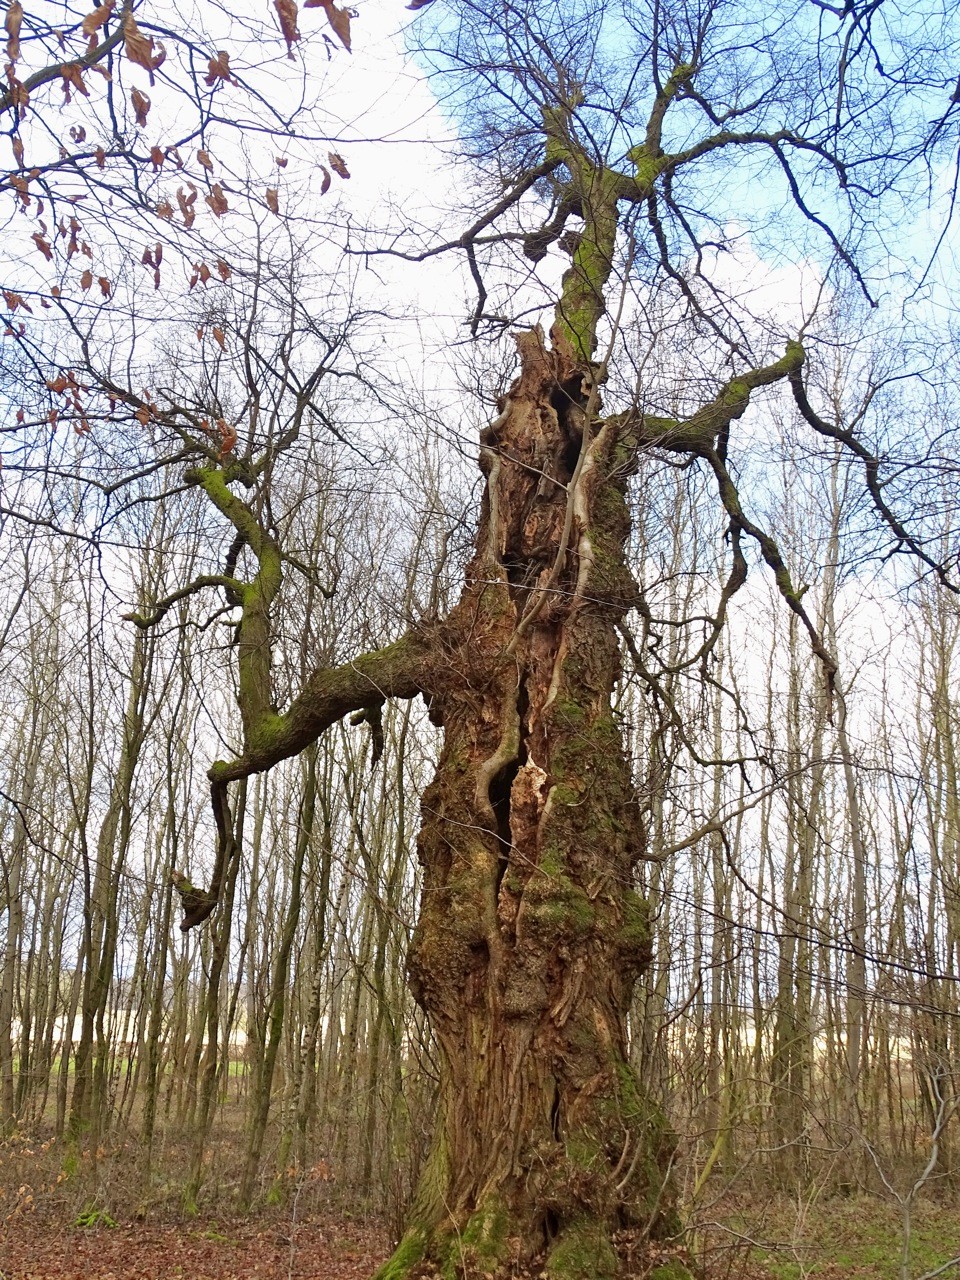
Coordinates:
531	937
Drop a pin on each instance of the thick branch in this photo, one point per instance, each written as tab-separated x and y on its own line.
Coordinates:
399	670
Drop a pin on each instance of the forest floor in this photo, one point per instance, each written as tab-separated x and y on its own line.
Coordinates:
838	1239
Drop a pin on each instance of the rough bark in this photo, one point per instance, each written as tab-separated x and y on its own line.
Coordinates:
530	936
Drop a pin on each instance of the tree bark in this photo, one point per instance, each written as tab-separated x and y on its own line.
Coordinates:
531	936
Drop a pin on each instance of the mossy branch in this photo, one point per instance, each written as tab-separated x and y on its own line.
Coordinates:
162	607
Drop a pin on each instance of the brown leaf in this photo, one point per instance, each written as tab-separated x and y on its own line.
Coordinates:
273	200
94	21
100	156
186	203
287	13
219	69
17	144
219	337
282	162
339	19
204	158
72	74
325	184
165	210
78	134
217	200
203	271
223	269
228	436
139	48
43	245
105	286
158	157
12	26
141	105
338	165
20	185
143	415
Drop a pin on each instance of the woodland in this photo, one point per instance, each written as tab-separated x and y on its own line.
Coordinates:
480	639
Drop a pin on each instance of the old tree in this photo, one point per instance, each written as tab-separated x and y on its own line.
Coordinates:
630	142
608	127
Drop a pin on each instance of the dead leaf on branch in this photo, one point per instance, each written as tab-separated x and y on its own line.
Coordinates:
12	27
218	68
43	245
141	105
338	164
273	200
186	203
139	48
72	74
217	200
325	183
157	156
339	19
165	210
204	158
94	21
287	13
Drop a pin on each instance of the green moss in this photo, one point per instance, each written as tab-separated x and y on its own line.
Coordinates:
405	1257
484	1239
635	927
554	906
583	1252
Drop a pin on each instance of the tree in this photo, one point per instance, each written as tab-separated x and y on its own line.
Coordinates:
531	934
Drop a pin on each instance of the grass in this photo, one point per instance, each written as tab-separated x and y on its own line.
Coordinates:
840	1238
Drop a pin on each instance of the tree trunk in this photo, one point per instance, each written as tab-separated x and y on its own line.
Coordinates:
530	936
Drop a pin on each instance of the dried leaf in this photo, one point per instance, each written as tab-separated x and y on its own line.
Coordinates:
139	48
199	335
273	200
78	134
287	13
43	245
339	19
203	272
72	74
141	105
105	286
157	156
165	210
100	156
204	158
218	68
219	337
228	436
325	184
338	165
282	162
186	203
217	200
94	21
12	27
17	144
223	269
143	415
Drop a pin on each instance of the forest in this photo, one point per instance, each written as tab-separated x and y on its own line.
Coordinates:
480	640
